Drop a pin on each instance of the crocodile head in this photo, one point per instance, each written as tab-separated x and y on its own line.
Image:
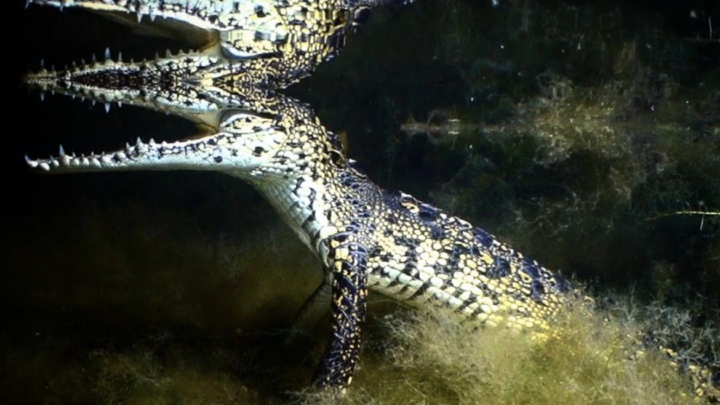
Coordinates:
284	140
253	46
297	34
194	86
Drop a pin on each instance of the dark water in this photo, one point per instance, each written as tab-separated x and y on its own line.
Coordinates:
585	123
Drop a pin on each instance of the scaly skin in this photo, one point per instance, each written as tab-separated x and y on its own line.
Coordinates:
295	35
367	238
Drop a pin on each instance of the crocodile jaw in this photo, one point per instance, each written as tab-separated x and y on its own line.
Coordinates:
245	142
236	23
174	85
200	13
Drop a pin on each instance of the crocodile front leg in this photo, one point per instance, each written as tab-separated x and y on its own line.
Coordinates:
347	260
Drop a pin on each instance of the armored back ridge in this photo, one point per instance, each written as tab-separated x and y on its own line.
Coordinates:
367	238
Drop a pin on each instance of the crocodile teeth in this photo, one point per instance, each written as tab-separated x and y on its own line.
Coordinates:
120	57
119	103
61	152
42	96
107	107
42	63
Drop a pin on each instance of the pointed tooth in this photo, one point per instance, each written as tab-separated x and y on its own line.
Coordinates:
152	142
94	59
82	61
138	142
45	166
152	17
30	162
128	148
27	3
108	56
52	68
168	53
42	63
120	103
61	151
119	56
107	107
139	17
93	103
42	96
52	92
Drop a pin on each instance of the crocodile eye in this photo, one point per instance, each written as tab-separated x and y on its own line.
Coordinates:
361	16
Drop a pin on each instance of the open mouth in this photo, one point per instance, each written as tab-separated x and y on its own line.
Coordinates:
170	84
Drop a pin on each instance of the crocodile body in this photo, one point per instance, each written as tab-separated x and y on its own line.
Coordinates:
366	237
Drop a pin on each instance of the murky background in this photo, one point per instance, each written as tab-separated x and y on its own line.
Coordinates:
586	134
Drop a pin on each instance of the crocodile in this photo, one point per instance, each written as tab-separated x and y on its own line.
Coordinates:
366	237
